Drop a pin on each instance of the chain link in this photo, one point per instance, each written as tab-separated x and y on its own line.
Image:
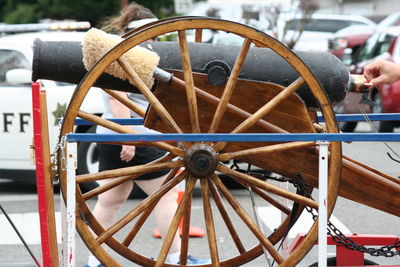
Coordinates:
59	147
338	236
332	230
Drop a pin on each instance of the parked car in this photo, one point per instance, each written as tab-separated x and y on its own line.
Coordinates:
385	45
345	43
16	105
320	29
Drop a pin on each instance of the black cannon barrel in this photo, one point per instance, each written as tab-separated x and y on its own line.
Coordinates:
262	64
62	61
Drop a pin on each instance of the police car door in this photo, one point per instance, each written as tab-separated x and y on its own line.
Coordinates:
15	109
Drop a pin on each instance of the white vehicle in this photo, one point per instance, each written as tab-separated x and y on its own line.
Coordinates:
16	105
320	29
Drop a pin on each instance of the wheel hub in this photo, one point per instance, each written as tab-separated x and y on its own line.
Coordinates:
200	160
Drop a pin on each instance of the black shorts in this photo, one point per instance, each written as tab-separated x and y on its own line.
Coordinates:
109	159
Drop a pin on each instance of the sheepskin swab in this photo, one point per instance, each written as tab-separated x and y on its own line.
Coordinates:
137	65
96	43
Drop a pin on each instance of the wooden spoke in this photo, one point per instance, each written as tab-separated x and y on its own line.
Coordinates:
263	111
126	102
225	216
186	230
138	169
175	223
264	150
103	188
265	196
268	187
247	220
121	129
271	200
210	227
198	35
135	79
120	180
138	225
230	86
189	84
139	209
137	143
209	98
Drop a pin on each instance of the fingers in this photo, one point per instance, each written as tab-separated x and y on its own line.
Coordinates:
382	72
373	70
378	81
127	153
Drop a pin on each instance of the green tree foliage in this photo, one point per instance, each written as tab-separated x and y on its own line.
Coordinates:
29	11
162	8
92	10
24	13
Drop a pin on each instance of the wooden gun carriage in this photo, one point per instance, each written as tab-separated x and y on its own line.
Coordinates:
259	87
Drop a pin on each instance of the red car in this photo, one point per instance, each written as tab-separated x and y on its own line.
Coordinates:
384	44
347	41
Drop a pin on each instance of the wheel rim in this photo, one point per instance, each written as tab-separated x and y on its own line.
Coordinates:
208	184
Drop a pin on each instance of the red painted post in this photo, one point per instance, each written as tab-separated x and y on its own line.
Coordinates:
40	182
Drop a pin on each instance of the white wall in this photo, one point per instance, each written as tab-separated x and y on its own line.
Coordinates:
368	8
385	7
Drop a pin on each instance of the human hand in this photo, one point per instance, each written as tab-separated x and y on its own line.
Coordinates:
127	153
382	72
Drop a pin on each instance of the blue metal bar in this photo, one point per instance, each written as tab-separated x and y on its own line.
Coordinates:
339	118
127	121
247	137
361	117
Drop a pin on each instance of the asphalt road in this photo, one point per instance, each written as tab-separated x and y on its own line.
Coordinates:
20	202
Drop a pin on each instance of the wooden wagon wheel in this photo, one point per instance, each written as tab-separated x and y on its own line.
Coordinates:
202	110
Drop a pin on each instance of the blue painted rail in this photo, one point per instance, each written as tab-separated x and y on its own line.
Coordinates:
242	137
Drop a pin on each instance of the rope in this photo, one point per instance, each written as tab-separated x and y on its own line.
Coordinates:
19	235
367	119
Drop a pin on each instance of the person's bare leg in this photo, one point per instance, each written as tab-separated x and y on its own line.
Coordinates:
165	209
107	206
109	203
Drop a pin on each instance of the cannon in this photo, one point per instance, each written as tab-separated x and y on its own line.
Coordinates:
259	87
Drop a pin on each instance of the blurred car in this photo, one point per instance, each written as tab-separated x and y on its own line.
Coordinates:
345	43
320	29
384	44
16	105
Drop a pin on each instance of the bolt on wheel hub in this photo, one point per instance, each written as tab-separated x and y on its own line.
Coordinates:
200	160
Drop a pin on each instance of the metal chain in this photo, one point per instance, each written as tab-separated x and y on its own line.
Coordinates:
338	236
60	146
332	230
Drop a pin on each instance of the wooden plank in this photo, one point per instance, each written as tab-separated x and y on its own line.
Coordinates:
48	180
